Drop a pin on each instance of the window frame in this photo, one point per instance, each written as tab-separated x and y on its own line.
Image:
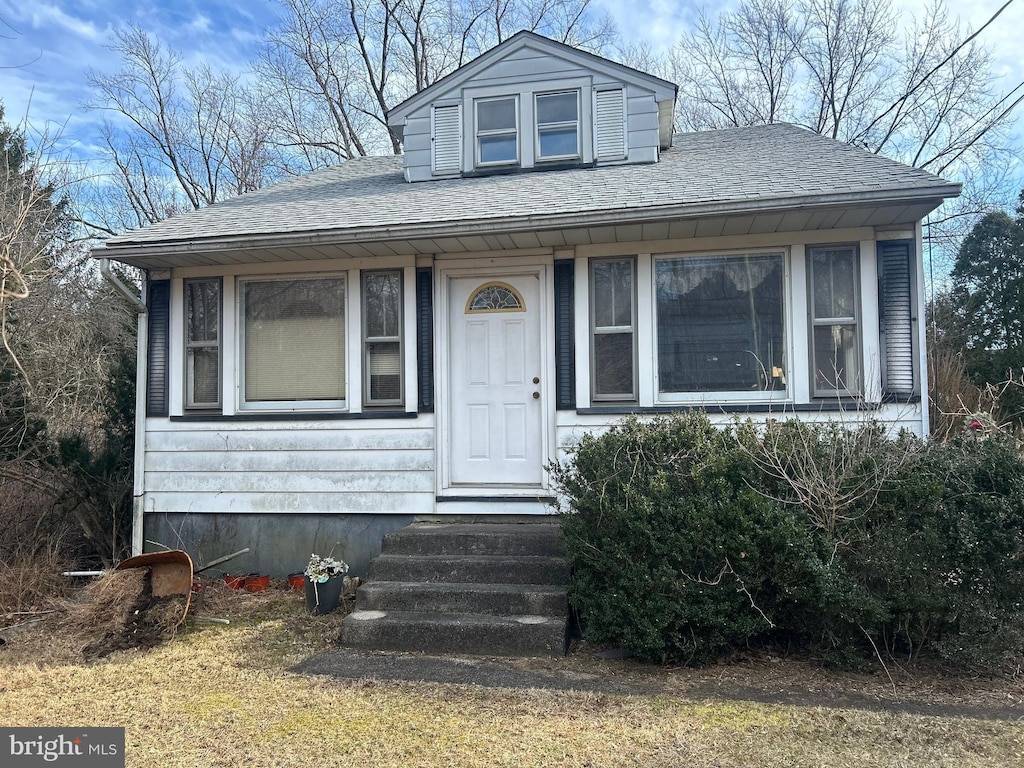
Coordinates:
820	322
367	340
786	393
595	331
537	127
514	131
191	404
290	405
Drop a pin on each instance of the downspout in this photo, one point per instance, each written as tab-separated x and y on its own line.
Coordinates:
142	352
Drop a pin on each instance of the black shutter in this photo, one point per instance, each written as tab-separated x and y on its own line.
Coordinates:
896	311
425	339
159	300
565	359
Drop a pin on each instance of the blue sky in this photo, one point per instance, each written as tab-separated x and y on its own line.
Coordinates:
48	46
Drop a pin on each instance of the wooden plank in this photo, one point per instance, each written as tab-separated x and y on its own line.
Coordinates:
520	68
327	503
291	461
291	440
290	482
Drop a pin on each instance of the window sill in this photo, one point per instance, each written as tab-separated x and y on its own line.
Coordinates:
296	416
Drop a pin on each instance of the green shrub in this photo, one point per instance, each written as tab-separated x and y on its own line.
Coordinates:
672	549
688	540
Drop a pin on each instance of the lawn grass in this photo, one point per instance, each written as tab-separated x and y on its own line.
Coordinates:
222	696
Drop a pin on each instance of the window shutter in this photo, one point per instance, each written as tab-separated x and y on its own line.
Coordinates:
425	339
446	135
159	301
897	317
565	365
610	125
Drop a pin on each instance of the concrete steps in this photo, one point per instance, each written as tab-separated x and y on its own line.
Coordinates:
472	588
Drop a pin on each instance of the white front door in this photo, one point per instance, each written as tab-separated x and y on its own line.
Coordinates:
496	418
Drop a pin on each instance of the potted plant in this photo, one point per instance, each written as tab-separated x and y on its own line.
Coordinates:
325	581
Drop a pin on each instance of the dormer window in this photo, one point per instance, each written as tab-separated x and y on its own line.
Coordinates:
497	131
558	126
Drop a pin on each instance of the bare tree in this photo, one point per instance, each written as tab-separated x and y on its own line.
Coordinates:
923	93
333	68
180	138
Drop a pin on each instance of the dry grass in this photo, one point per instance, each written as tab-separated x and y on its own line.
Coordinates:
222	696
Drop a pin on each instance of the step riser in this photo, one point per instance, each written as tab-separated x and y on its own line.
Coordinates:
405	597
544	543
473	571
527	640
469	588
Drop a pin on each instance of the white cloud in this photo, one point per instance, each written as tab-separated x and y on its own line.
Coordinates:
43	15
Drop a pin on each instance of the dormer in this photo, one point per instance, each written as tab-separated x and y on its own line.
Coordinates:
532	104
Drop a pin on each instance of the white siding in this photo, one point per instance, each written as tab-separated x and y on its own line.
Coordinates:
330	467
896	416
525	72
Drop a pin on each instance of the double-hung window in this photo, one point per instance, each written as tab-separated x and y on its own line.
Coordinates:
293	342
835	344
202	343
720	325
497	131
613	318
558	125
382	338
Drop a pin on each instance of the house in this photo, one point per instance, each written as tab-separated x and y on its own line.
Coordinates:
418	337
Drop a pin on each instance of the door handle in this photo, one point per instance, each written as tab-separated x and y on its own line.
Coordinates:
536	395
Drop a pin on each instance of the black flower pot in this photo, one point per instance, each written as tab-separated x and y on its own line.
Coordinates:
323	597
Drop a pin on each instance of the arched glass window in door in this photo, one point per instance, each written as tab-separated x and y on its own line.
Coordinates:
495	297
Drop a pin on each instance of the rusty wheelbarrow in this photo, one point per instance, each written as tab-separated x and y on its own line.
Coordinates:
170	574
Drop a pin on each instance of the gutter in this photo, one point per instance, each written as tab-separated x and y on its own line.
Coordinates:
124	290
142	364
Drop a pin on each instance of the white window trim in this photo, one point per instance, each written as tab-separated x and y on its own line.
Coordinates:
276	406
726	397
527	150
592	331
577	124
517	132
367	340
857	320
189	383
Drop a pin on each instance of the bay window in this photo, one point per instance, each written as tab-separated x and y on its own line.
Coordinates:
720	324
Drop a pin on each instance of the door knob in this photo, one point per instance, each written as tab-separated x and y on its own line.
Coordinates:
536	395
536	380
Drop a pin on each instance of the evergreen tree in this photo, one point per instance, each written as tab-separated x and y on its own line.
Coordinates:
987	302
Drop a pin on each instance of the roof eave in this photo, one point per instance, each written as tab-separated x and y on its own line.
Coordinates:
128	252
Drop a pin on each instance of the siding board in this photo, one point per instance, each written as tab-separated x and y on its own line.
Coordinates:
292	482
327	503
291	461
298	440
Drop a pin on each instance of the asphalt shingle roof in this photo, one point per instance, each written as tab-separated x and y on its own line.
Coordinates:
735	168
